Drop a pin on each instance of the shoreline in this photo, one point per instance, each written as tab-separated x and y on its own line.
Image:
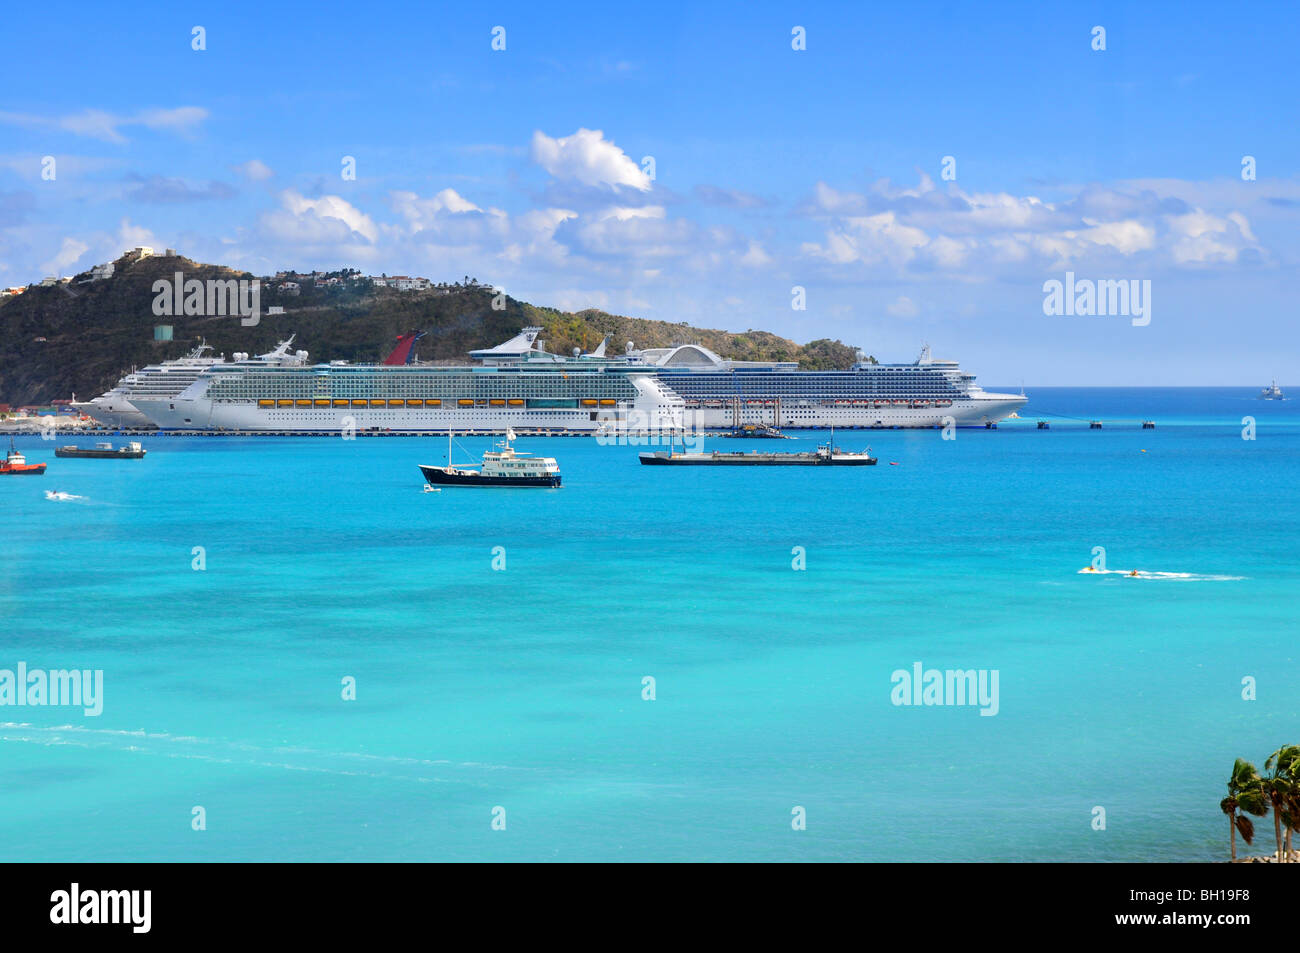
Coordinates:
1292	857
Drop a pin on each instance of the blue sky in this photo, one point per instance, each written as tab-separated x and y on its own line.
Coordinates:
773	168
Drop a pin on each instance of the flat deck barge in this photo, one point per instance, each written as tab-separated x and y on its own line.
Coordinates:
103	451
821	457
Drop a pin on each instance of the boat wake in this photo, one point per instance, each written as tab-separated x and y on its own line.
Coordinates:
60	495
241	754
1146	574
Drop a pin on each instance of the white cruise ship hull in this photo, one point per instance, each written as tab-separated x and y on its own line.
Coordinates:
118	407
114	411
203	414
652	408
973	411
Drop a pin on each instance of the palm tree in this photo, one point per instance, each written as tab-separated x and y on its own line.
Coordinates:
1291	806
1245	793
1291	816
1279	788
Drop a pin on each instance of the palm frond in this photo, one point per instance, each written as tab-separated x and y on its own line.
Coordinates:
1253	801
1245	827
1243	773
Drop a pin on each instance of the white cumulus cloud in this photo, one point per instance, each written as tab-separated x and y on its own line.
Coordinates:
325	219
925	229
69	252
588	158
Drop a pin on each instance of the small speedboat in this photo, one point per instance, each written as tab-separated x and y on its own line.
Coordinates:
16	464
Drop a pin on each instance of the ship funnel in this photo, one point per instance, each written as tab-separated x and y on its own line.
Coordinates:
404	352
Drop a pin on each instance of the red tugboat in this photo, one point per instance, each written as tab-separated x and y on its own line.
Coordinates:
16	464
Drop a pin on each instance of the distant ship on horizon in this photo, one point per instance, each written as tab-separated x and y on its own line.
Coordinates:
1272	392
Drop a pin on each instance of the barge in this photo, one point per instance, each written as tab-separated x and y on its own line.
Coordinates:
823	456
104	451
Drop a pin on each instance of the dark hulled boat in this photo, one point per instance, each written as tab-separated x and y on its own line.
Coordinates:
103	451
501	467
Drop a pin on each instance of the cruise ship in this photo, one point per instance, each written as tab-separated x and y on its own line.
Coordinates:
720	393
515	384
116	407
520	384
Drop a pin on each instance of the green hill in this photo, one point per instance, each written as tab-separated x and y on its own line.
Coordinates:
81	337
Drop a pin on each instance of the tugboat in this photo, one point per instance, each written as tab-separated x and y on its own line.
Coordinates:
1272	392
104	451
501	467
16	464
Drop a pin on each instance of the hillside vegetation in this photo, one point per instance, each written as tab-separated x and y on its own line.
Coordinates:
95	332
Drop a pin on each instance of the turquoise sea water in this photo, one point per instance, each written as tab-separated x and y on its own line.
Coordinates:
522	688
